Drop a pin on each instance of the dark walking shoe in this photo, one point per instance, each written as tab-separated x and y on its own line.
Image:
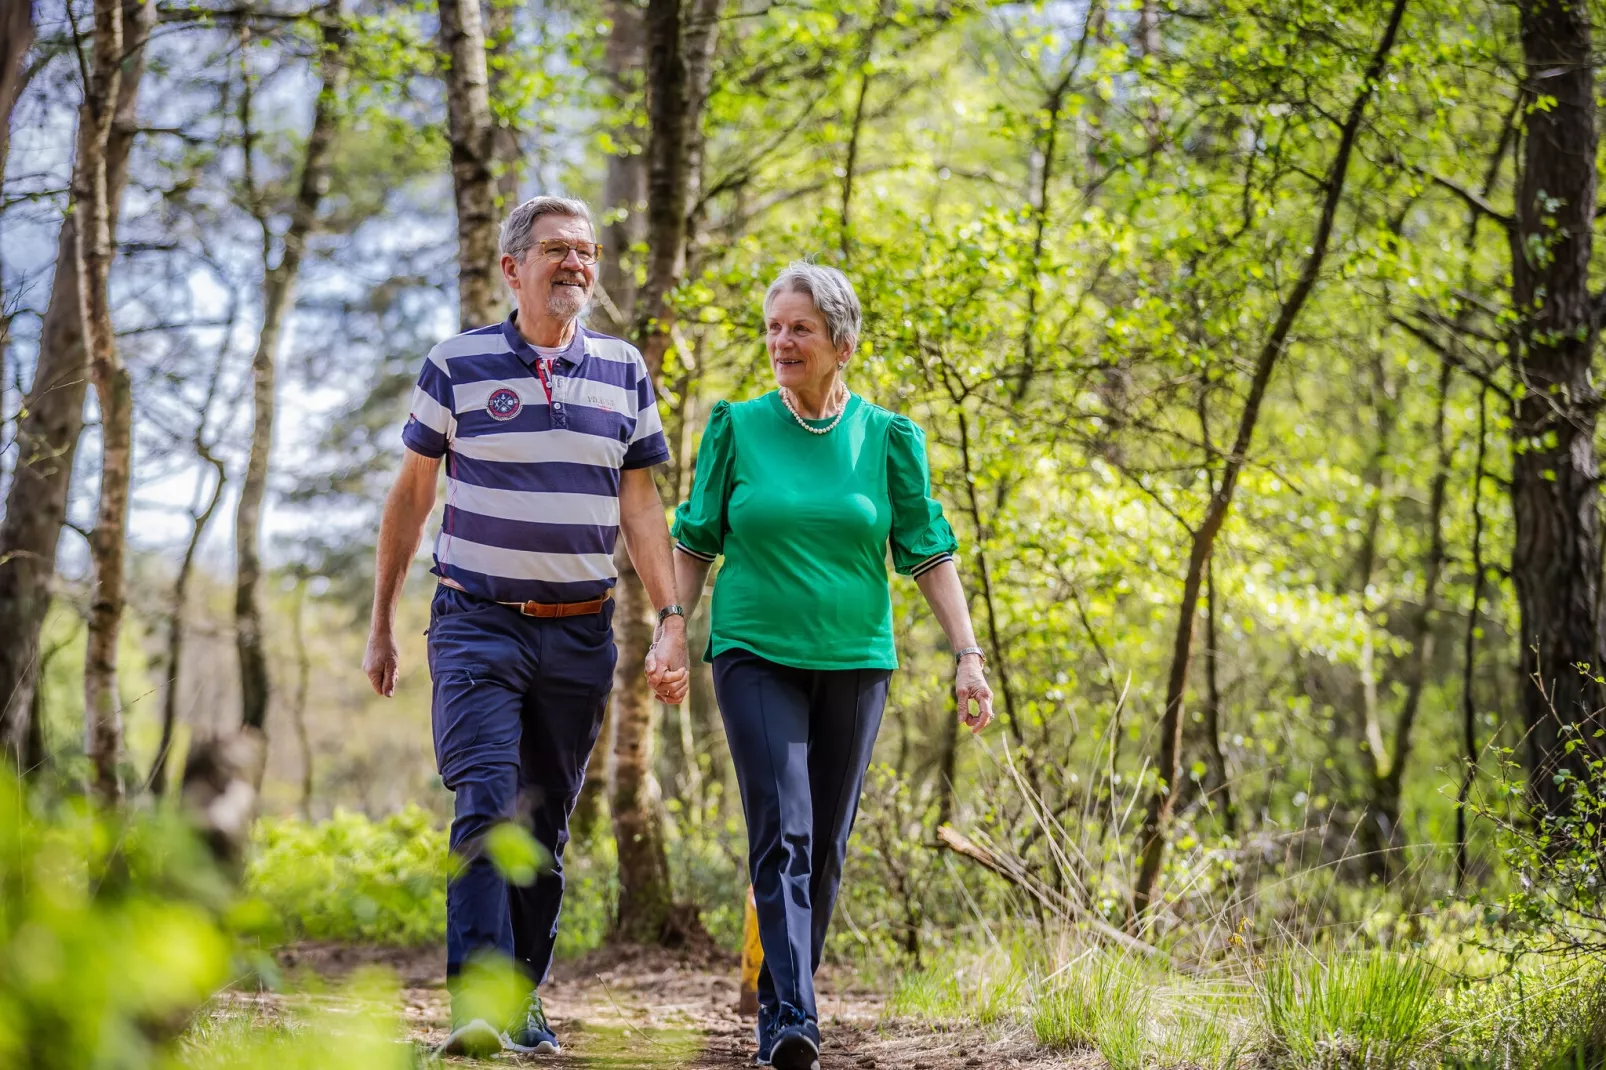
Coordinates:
795	1049
476	1038
532	1034
768	1019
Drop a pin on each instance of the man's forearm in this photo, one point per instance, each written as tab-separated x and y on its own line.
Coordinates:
641	518
401	528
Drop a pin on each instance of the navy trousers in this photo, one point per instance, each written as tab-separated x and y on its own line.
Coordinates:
518	702
801	741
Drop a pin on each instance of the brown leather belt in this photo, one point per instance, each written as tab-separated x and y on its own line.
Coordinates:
546	609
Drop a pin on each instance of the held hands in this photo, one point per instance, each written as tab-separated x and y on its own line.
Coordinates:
970	685
666	661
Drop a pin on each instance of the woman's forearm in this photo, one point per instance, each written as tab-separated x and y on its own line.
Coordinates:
946	596
691	575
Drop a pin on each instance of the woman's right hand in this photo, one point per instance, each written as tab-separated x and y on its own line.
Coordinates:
970	685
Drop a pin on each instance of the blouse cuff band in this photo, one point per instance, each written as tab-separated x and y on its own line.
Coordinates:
928	564
689	552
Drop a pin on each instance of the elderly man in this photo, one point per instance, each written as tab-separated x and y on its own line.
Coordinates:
549	432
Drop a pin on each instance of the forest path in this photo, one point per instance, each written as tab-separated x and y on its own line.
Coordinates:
658	1010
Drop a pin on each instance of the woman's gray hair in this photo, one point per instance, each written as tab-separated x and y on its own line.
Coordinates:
831	292
516	240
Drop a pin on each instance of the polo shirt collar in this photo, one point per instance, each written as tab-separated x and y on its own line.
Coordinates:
572	354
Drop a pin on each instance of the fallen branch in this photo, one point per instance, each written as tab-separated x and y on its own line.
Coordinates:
1015	872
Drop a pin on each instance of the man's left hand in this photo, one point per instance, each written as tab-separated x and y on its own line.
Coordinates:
666	661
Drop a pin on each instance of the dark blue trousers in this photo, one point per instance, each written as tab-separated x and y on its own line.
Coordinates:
801	741
517	705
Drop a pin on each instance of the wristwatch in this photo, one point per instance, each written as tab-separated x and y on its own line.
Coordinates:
671	610
959	655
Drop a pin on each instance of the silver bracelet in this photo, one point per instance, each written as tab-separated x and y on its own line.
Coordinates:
976	650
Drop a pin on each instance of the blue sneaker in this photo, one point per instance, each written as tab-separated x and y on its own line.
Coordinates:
533	1035
797	1041
768	1018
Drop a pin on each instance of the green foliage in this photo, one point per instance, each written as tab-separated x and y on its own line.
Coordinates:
112	932
351	878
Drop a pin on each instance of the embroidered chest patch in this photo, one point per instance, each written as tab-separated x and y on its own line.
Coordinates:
504	403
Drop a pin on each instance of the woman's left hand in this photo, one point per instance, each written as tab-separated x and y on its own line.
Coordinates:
970	685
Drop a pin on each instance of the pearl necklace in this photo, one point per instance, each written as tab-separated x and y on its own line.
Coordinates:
786	399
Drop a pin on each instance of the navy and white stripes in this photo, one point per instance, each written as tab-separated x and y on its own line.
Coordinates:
532	486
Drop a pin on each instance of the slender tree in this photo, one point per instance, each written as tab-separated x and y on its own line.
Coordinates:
473	138
679	46
16	37
277	302
53	415
102	708
1157	817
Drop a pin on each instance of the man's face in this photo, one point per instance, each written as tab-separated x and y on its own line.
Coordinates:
559	289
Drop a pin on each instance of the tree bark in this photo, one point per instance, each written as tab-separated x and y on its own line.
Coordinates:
624	188
473	136
103	727
508	157
1556	558
298	708
16	37
1469	651
277	302
1152	838
53	417
677	56
200	520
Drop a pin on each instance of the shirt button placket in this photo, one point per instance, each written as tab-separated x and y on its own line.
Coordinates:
560	415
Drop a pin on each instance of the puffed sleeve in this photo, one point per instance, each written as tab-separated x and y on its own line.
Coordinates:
921	538
700	527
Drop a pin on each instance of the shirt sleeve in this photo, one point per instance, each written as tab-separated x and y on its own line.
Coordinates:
921	537
432	422
700	521
647	446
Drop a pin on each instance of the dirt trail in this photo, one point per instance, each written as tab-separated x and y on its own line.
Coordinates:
657	1010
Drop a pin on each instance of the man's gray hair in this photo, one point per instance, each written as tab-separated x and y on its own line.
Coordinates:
831	292
516	240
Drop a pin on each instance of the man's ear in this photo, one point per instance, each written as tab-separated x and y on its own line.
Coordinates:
510	271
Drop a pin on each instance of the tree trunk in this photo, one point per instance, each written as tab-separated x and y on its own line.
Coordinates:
1152	838
1469	651
298	708
676	59
473	137
1380	838
277	302
1556	559
103	729
53	417
16	37
156	783
509	157
624	188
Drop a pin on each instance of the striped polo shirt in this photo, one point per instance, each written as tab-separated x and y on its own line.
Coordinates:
532	484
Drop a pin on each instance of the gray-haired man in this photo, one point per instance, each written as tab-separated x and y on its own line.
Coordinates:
548	432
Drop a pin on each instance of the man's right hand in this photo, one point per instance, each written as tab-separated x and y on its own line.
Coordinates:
380	662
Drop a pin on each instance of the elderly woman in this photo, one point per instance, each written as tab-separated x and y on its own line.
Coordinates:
802	490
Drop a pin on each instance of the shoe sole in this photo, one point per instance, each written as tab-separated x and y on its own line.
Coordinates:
546	1047
795	1053
476	1039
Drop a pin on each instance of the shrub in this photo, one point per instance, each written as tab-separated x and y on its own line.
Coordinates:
350	878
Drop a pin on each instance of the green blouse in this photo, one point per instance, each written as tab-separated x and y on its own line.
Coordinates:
804	521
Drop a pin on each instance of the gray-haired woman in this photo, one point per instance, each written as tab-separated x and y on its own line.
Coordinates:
802	490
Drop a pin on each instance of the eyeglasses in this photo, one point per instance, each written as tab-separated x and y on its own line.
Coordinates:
557	250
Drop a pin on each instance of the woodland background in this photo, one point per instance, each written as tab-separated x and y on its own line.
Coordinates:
1255	345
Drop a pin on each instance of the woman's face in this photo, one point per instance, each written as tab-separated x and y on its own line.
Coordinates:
801	354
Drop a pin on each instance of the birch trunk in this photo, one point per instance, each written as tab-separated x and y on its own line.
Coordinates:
473	138
277	303
102	709
53	417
